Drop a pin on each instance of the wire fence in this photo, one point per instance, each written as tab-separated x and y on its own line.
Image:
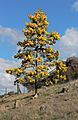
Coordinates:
6	90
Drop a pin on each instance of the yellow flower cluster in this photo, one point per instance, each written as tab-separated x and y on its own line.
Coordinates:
29	43
43	74
61	66
30	73
50	53
54	35
28	58
31	25
38	76
40	31
26	43
38	25
50	50
44	51
38	59
29	32
63	77
51	56
31	80
45	23
42	40
60	70
44	17
15	71
10	71
39	17
52	64
41	68
21	80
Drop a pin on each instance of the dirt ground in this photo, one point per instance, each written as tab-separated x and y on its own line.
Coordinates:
58	102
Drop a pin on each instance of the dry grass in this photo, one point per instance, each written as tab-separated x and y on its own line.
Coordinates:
58	102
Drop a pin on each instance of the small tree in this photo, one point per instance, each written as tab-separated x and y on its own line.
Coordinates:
36	52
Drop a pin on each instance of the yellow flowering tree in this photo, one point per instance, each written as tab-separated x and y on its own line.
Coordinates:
36	52
60	73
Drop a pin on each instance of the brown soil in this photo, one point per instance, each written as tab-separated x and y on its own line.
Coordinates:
58	102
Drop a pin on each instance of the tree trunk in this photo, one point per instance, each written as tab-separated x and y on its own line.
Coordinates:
36	73
35	86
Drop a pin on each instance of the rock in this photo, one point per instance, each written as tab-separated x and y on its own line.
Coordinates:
72	70
64	90
17	103
43	108
66	99
35	96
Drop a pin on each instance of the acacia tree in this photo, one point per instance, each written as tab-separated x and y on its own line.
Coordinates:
36	52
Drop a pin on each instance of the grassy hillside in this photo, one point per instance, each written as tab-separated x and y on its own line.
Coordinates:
58	102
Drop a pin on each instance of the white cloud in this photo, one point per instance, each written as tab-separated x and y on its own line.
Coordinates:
4	64
6	80
68	44
9	36
13	35
75	6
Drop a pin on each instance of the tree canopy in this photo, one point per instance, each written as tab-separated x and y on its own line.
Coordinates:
37	54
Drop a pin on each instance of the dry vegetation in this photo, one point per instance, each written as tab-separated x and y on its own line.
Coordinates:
58	102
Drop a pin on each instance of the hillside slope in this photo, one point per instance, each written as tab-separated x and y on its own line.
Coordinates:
58	102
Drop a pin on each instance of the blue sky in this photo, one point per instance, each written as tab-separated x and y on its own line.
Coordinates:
60	14
13	14
62	17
